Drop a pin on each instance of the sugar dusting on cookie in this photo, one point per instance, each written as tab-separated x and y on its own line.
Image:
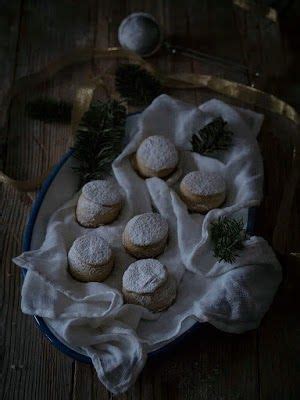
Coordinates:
204	183
91	249
144	276
105	192
157	153
146	229
89	210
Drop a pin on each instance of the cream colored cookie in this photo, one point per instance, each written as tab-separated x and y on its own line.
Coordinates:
203	190
90	258
147	283
156	156
146	235
100	203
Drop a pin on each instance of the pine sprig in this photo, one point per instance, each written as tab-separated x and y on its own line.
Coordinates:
99	138
212	137
136	85
49	110
227	235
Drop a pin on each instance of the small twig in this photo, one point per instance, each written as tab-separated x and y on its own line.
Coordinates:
136	85
227	236
213	137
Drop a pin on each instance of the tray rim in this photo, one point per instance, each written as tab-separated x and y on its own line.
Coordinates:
27	237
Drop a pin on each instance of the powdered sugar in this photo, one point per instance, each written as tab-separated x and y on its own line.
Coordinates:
157	153
89	211
204	183
146	229
104	192
144	276
91	249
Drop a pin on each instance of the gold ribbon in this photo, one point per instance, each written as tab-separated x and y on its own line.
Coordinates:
82	101
23	186
85	93
266	12
238	91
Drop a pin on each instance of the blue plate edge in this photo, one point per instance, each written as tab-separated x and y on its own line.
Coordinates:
26	247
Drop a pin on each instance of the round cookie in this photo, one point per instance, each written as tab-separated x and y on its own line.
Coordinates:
145	235
203	190
156	156
90	258
99	203
147	283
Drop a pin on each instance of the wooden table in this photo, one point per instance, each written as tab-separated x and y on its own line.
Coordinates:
261	364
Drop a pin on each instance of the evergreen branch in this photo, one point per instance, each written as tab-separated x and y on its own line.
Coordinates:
212	137
227	235
99	138
49	110
136	85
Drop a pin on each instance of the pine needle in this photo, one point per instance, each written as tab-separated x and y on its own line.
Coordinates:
99	139
227	235
49	110
136	85
213	137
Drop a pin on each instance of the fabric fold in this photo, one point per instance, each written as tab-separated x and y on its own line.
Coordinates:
92	317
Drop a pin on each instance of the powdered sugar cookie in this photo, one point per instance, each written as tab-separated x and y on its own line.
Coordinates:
146	235
90	258
203	190
156	156
147	283
100	203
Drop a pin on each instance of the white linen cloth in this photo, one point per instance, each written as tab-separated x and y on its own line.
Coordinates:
232	297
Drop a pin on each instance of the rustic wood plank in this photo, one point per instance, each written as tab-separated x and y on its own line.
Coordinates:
34	368
214	25
205	366
278	345
9	35
248	25
262	48
177	31
261	40
213	28
10	24
86	384
289	83
277	164
279	341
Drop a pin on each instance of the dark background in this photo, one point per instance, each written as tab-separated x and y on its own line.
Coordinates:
209	364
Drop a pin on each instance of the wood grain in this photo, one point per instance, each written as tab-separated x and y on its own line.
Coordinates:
277	342
32	367
209	364
279	338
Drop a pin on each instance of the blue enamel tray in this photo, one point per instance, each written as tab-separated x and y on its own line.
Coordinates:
27	246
